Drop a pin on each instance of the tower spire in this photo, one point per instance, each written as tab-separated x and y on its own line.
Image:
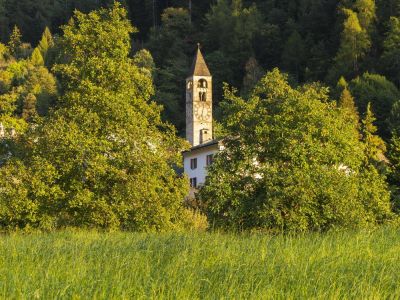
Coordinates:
199	127
199	66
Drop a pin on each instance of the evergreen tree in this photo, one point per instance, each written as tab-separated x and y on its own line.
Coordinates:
294	55
354	45
43	85
317	65
391	53
340	87
37	58
394	178
366	13
380	92
374	146
253	74
15	42
231	30
46	43
172	50
342	84
394	119
346	102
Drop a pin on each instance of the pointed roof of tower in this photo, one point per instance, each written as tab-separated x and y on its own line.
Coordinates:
199	66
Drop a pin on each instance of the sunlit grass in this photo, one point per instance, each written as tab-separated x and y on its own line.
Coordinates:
196	266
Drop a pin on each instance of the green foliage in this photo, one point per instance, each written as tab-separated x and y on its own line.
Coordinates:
29	107
346	102
43	85
354	45
145	62
394	119
104	158
20	78
230	31
374	146
391	53
308	39
46	43
394	177
253	74
366	13
291	162
294	55
380	92
15	42
37	58
173	52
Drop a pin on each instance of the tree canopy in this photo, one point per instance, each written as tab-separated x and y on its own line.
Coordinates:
91	93
292	161
103	158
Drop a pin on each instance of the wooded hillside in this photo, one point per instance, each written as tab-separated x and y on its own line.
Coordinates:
312	40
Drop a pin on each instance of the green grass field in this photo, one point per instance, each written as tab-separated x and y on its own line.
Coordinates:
82	265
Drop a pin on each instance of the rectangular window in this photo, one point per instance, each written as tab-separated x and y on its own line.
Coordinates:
193	163
209	159
193	182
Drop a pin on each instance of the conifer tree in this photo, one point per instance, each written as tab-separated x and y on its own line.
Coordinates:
366	13
394	176
342	84
37	58
15	42
394	156
293	55
46	43
253	74
391	53
169	44
346	102
380	92
374	146
394	119
354	45
340	87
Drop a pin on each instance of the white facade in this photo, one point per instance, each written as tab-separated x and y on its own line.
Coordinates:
203	156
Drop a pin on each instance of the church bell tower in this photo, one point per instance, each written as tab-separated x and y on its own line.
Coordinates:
199	128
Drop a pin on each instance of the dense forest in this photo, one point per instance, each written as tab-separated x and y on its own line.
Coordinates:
77	78
312	40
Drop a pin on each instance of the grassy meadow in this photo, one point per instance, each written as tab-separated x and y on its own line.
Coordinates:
82	265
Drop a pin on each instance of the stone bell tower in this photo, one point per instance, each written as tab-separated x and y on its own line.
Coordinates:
199	128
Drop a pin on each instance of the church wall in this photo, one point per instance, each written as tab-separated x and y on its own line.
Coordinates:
201	171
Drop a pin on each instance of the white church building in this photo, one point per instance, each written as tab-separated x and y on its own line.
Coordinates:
199	122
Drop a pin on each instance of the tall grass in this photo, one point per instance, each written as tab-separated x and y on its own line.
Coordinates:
82	265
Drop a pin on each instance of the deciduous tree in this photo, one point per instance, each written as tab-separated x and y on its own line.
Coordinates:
291	162
104	158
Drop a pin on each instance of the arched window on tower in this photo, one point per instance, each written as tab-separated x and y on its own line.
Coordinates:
202	83
202	86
